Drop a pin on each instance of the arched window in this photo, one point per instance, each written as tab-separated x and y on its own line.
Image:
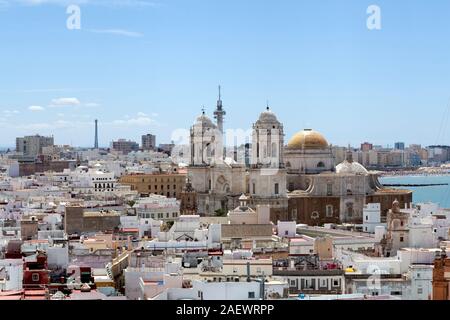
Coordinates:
321	165
350	209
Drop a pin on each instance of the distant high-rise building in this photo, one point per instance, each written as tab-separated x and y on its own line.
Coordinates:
31	146
366	146
399	146
125	146
148	142
96	135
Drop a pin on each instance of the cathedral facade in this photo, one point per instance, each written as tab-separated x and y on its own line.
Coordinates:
300	181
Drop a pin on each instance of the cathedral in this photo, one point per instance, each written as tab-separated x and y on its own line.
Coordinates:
300	180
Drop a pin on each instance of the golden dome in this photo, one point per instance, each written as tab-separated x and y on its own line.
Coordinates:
308	139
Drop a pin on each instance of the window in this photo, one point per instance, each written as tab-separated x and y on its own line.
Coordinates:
419	291
350	210
335	283
349	189
277	188
315	215
401	239
321	165
291	186
329	189
254	188
294	214
251	295
367	218
35	277
329	209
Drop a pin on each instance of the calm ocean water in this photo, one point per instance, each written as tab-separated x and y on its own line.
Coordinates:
437	194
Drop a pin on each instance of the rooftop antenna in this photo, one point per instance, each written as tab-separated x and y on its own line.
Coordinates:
267	105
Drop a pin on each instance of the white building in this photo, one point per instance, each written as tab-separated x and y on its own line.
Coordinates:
87	180
11	274
205	290
157	207
303	246
372	217
9	167
287	229
154	269
421	276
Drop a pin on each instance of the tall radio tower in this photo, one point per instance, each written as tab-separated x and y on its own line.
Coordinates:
219	113
96	135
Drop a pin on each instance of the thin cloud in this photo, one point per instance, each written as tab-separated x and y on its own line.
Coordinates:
118	32
140	120
9	113
35	108
60	102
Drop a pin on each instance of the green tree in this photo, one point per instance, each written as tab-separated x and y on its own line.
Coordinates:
220	212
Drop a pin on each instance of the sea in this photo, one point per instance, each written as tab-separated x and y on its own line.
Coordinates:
436	194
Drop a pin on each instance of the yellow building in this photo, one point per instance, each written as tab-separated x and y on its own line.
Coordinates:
167	184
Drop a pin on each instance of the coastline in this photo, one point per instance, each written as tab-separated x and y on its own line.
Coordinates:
422	172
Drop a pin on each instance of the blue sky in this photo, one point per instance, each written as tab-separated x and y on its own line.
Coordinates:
149	66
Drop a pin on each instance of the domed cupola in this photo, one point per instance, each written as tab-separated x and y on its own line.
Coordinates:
267	117
267	140
308	139
348	166
204	121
